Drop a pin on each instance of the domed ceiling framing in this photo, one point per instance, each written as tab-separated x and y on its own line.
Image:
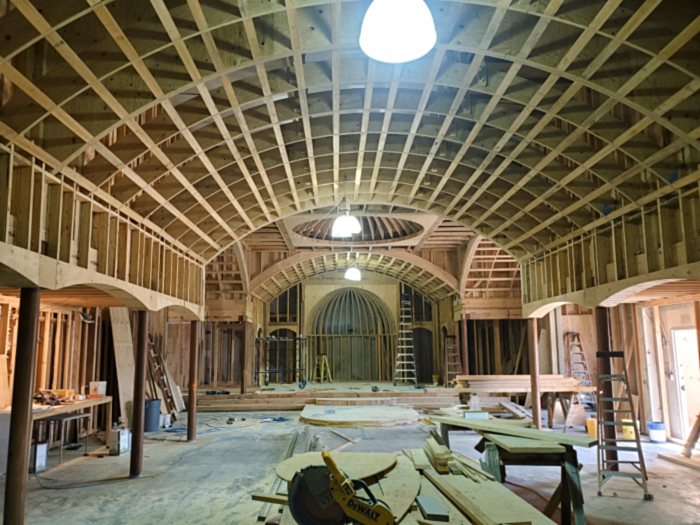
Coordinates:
530	122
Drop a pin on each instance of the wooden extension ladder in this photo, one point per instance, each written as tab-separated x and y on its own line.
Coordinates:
578	368
609	468
453	361
321	369
405	370
159	387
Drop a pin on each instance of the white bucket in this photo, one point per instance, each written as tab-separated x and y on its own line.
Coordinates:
657	432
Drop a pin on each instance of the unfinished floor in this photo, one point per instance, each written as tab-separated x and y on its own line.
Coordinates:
211	481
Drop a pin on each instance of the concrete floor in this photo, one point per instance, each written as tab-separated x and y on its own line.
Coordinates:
210	481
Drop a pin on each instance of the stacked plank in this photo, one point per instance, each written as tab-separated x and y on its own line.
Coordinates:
520	384
298	400
439	456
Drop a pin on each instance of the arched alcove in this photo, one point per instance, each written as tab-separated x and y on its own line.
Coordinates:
355	329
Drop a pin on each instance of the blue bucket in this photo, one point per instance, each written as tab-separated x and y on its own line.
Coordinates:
657	432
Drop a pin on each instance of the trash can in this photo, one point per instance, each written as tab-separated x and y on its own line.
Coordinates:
152	423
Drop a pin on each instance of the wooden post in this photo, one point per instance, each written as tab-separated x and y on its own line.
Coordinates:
465	346
497	346
661	370
139	407
192	397
244	350
605	390
534	373
21	416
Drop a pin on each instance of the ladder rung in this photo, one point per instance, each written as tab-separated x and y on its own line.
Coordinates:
614	399
614	423
619	449
623	474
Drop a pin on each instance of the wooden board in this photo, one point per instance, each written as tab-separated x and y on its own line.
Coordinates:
678	459
524	445
5	395
515	430
358	466
486	502
417	455
432	509
124	358
353	417
399	488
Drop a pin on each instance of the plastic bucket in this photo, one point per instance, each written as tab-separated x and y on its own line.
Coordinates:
592	425
628	430
657	432
152	419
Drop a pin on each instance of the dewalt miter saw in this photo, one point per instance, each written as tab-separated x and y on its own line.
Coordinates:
324	495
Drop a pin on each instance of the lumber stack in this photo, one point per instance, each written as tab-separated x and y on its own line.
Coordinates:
438	455
298	400
520	384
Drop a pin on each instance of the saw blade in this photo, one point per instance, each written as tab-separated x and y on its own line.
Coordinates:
310	498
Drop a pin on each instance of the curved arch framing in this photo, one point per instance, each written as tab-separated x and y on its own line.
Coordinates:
426	277
514	227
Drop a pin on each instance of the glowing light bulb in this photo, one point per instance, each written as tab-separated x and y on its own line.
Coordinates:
397	31
346	226
353	274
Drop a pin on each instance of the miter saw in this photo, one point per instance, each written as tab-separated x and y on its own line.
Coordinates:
324	495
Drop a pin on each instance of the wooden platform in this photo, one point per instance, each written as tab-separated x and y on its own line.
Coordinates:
354	417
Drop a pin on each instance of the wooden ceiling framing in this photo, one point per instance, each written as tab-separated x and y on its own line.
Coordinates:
492	273
375	229
529	123
425	277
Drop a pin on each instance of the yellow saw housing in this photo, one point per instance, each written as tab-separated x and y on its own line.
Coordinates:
360	510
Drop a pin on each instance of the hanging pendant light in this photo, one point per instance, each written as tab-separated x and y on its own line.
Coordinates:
397	31
345	225
353	274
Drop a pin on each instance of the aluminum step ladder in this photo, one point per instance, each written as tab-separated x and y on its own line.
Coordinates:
453	361
578	367
607	469
405	370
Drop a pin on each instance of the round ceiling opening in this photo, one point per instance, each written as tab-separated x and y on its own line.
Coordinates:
375	230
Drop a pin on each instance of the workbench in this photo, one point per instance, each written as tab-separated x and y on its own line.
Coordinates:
74	406
505	444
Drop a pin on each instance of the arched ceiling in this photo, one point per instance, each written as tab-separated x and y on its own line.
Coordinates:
530	121
428	279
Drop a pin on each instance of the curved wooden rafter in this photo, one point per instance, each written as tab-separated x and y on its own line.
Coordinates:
426	277
559	164
488	271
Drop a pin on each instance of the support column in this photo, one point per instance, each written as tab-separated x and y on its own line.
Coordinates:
21	416
534	373
465	346
602	322
244	361
139	410
192	397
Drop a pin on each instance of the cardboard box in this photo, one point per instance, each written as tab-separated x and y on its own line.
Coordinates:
98	388
65	394
119	442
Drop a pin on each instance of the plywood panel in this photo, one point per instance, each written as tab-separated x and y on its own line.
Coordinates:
124	359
